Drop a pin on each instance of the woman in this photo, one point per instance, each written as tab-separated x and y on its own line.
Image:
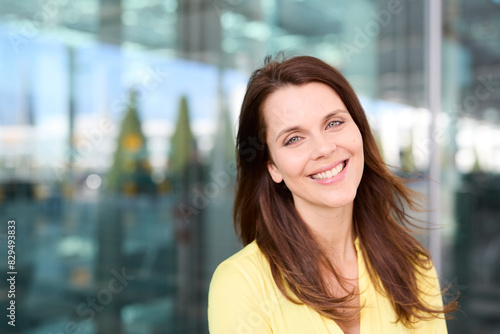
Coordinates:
322	219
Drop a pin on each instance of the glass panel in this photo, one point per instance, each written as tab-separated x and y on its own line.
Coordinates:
117	124
471	166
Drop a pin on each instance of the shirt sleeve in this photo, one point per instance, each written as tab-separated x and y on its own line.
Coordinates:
235	303
431	295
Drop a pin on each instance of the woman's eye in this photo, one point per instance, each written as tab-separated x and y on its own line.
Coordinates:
334	124
292	141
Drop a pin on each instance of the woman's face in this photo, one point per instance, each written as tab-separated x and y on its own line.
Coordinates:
315	146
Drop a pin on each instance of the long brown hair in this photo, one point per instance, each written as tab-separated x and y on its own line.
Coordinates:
264	211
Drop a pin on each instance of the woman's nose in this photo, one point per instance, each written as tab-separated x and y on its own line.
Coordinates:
324	146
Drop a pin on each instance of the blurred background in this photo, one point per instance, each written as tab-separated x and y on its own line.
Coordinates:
117	125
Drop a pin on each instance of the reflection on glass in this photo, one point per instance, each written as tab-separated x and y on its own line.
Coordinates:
117	123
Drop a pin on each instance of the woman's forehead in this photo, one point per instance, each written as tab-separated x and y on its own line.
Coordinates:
293	103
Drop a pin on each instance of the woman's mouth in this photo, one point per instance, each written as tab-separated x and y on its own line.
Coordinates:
330	173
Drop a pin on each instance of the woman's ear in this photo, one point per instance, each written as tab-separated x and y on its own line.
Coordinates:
274	172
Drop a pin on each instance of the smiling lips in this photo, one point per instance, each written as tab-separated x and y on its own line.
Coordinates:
330	173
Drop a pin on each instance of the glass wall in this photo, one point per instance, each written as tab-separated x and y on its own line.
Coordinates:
117	124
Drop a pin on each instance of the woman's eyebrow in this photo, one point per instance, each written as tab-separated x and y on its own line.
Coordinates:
290	129
297	127
335	112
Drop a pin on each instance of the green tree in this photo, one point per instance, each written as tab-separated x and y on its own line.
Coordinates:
224	146
131	171
183	160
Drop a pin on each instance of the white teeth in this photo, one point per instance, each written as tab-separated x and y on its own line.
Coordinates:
330	173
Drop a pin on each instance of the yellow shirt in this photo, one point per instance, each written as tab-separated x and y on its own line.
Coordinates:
244	299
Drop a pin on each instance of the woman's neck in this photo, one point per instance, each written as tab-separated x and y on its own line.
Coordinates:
333	228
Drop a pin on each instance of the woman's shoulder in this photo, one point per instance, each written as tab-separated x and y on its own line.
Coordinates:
428	283
237	290
426	271
250	251
238	287
246	263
